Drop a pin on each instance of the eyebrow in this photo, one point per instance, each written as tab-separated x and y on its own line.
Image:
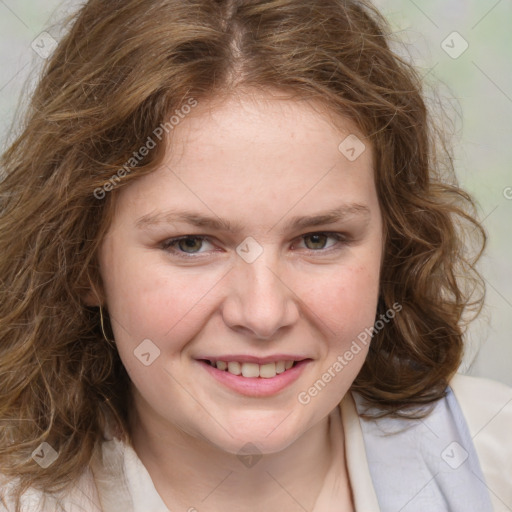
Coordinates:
216	223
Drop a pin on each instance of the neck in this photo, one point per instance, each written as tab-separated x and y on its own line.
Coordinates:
191	473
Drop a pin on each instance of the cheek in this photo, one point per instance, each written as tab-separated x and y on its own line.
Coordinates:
153	301
344	301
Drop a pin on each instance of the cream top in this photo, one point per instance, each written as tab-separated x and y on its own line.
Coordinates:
118	481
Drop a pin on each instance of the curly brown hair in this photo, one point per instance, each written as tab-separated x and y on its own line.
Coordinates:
120	71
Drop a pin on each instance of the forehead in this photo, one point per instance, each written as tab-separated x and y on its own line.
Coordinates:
258	153
261	123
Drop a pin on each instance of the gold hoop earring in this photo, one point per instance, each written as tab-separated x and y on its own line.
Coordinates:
111	342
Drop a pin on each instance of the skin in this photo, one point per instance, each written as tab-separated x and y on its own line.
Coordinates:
257	160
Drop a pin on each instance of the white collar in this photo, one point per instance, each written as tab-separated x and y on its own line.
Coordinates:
124	483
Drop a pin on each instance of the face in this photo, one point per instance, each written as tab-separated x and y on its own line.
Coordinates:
257	241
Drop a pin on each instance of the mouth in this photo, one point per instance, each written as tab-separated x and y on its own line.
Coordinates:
253	379
253	370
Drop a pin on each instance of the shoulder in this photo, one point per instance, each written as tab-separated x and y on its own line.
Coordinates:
486	404
30	501
80	495
487	409
101	486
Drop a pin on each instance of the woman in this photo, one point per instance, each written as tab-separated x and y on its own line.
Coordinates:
236	273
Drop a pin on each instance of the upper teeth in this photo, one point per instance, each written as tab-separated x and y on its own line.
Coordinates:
266	371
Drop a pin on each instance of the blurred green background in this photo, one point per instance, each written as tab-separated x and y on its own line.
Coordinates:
464	51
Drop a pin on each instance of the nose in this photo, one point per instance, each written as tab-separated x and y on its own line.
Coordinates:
259	302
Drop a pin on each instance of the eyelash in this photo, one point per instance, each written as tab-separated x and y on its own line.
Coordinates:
171	243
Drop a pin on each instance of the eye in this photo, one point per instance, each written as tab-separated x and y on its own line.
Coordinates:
320	241
188	244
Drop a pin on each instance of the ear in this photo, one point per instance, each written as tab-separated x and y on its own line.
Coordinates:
92	296
91	299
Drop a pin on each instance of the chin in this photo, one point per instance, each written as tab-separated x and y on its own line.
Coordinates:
262	437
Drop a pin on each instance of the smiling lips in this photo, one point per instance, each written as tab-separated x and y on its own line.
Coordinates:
253	376
254	367
253	370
